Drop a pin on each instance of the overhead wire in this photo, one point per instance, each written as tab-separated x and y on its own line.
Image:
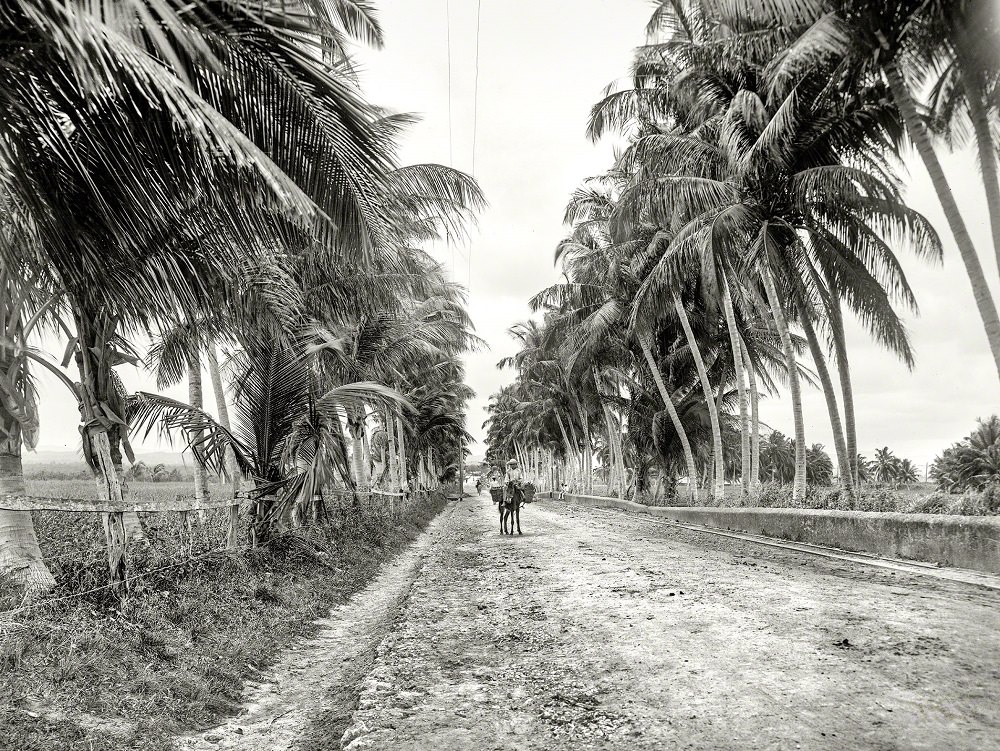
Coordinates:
451	146
475	126
475	118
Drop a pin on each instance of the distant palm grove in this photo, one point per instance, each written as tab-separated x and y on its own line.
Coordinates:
184	179
756	203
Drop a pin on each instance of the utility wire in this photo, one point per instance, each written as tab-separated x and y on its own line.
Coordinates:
475	89
447	16
451	148
475	119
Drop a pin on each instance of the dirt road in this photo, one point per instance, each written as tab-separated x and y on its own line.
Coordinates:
609	631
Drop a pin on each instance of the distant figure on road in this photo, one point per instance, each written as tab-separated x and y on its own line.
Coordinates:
563	491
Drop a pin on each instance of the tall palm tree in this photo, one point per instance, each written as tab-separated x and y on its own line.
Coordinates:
20	555
901	42
705	166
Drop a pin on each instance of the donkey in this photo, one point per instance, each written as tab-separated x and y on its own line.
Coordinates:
510	509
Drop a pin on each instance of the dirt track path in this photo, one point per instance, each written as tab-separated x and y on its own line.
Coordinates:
609	631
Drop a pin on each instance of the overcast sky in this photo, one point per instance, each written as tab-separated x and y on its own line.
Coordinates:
542	64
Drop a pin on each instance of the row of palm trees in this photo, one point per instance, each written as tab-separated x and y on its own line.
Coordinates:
756	203
209	176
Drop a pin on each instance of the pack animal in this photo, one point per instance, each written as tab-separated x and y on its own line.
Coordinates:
510	509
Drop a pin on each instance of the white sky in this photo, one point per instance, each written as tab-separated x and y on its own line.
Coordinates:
542	64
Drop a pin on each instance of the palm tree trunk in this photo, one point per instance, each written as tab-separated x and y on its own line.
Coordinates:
222	409
754	420
844	372
799	484
402	453
839	444
566	442
719	487
357	458
577	455
978	116
366	449
674	417
620	448
611	469
196	399
737	347
390	434
586	454
615	439
20	555
917	132
101	435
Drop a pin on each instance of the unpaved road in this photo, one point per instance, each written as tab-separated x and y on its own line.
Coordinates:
609	631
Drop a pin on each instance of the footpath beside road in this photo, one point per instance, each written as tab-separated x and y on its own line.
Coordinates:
612	631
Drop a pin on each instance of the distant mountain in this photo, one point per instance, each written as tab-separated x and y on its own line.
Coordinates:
67	456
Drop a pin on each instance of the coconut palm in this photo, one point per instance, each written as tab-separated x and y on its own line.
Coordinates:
20	555
886	466
105	131
906	471
777	458
715	191
972	463
819	467
902	42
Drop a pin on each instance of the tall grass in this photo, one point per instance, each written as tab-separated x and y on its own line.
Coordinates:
175	653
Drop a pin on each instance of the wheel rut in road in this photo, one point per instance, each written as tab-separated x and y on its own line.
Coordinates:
597	632
320	677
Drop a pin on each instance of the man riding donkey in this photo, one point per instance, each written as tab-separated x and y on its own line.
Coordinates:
513	497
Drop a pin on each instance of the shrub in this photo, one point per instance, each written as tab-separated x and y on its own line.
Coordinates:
972	463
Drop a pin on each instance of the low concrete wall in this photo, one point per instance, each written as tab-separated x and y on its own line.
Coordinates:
971	542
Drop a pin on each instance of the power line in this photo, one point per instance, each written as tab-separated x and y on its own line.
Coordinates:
451	148
447	16
475	89
475	121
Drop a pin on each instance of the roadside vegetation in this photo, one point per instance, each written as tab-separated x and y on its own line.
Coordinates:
756	203
203	190
93	671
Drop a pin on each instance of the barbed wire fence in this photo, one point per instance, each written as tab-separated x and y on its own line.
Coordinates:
177	532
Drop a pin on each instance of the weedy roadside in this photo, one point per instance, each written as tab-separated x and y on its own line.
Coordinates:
93	671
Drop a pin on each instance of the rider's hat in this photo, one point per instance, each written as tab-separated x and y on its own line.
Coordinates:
512	462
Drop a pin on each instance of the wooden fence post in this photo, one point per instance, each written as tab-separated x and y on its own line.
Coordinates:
232	536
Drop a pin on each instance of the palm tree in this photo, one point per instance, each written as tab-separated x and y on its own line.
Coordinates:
169	114
777	458
20	554
901	42
715	190
906	471
886	466
819	468
960	40
972	463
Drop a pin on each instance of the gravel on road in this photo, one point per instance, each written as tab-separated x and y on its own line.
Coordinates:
610	631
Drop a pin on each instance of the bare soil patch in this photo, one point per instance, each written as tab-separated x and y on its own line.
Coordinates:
608	632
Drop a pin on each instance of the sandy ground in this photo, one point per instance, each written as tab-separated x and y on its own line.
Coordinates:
609	631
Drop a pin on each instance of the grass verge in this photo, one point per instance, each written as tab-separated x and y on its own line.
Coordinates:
914	498
93	672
